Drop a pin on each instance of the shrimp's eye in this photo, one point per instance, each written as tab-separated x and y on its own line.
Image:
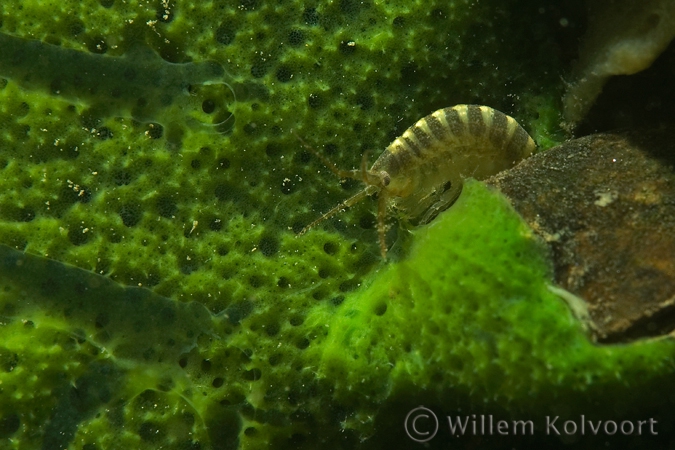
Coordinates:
385	179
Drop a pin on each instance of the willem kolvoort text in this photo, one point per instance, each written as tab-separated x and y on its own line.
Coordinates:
487	425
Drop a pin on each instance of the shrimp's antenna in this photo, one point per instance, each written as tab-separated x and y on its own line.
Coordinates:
336	209
356	174
353	174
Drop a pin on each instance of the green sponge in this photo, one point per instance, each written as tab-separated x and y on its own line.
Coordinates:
468	315
309	339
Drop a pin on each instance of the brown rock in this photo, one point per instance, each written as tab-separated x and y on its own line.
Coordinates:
605	204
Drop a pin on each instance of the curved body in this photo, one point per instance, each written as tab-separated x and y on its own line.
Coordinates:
421	173
428	163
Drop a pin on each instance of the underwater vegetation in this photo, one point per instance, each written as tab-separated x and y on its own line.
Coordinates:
139	84
154	291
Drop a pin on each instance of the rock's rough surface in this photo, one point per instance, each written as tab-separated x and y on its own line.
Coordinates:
604	204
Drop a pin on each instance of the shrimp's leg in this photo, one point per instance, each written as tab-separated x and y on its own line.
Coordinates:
353	174
345	204
381	225
445	200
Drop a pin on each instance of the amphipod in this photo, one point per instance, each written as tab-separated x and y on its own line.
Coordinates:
421	173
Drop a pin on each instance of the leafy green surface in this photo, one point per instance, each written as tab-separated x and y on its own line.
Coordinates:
309	340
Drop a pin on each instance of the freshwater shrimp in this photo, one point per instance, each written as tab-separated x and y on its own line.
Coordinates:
421	173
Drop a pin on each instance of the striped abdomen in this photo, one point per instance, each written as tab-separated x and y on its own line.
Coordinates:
428	163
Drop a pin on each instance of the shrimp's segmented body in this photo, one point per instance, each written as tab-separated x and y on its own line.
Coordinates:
421	173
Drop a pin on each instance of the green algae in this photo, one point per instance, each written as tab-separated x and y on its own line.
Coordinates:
87	195
139	84
457	336
297	350
442	325
86	343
